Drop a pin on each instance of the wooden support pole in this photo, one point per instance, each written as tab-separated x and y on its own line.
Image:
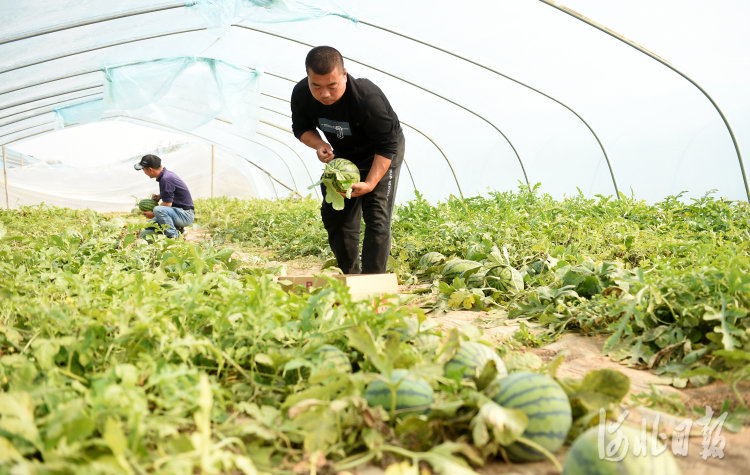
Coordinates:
5	180
213	157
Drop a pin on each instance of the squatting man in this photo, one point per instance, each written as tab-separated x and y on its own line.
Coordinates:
176	209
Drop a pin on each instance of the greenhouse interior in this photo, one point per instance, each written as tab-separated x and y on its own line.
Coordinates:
542	266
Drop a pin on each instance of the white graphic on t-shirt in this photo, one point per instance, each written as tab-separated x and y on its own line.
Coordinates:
340	129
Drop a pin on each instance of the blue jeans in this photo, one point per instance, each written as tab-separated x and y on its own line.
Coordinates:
166	218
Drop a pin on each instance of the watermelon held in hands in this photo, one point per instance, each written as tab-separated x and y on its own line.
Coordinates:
505	279
342	173
338	177
147	204
630	457
412	395
473	356
546	406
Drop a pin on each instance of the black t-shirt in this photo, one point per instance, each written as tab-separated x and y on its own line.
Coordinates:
359	125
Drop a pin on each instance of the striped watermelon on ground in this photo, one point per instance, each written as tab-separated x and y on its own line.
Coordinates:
505	279
458	267
545	404
476	280
328	356
584	456
431	259
413	394
471	356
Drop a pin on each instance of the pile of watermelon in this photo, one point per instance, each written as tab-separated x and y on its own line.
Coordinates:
539	399
515	413
538	396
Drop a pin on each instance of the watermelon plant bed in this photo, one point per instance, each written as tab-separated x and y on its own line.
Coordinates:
118	355
650	397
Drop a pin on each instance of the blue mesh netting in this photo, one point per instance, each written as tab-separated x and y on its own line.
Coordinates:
84	113
271	11
219	14
184	93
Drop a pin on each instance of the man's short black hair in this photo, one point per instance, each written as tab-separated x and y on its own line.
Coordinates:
323	60
148	161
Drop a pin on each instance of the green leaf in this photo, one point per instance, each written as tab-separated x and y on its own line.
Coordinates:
600	388
322	392
17	417
69	420
487	375
444	287
334	198
504	425
128	240
128	374
264	359
444	462
318	424
448	346
725	328
45	351
8	453
526	361
114	437
361	339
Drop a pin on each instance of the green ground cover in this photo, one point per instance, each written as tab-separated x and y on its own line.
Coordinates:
670	282
117	355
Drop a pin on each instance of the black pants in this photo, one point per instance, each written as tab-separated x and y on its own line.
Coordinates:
376	207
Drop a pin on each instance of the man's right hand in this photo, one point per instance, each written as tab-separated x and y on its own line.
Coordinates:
325	153
148	214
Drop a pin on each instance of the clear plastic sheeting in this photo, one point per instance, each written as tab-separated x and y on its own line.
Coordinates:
14	159
184	93
475	88
115	186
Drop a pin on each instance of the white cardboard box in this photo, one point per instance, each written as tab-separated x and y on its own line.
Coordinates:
360	285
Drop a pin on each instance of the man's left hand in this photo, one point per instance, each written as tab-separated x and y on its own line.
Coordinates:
148	214
361	188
